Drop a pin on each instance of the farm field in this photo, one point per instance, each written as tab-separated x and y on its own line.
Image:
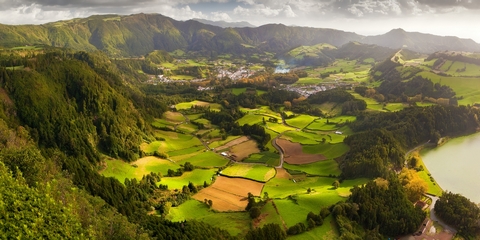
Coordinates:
188	105
197	177
466	87
241	151
236	223
229	194
268	158
173	141
328	150
278	127
328	231
121	170
255	172
203	159
322	168
330	124
300	121
394	107
268	215
295	155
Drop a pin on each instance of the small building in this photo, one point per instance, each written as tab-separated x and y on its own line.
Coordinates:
224	154
338	132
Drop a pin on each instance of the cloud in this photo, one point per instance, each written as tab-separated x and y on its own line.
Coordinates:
219	16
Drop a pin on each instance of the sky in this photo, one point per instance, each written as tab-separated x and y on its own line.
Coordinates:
366	17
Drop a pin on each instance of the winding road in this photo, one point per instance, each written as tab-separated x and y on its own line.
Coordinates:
434	217
279	149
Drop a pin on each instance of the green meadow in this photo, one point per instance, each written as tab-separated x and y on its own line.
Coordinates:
300	121
466	88
328	150
121	170
321	168
236	223
205	159
255	172
197	177
268	158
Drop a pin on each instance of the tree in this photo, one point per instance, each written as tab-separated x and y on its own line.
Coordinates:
336	184
210	203
459	212
255	212
287	104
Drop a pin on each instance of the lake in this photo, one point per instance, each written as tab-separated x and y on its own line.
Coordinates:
456	165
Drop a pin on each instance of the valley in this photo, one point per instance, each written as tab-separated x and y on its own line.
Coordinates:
227	133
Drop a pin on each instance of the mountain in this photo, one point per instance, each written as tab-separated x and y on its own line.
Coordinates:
421	42
139	34
224	24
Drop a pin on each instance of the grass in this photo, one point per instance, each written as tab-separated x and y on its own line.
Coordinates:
236	223
300	121
206	159
197	177
187	127
330	151
270	215
303	138
222	142
173	142
121	170
188	105
251	119
330	124
278	127
466	87
282	188
321	168
182	77
255	172
185	151
394	107
328	231
269	158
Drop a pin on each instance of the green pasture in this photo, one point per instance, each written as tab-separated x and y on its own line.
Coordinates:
272	136
121	170
236	223
282	188
162	123
186	151
330	108
173	141
328	231
330	124
269	158
321	168
187	127
295	210
270	215
182	77
467	88
216	144
301	137
197	177
188	105
118	169
394	107
278	127
192	117
250	171
203	121
174	117
328	150
215	107
251	119
205	159
300	121
309	81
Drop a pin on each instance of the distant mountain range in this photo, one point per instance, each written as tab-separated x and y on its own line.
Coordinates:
139	34
224	24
